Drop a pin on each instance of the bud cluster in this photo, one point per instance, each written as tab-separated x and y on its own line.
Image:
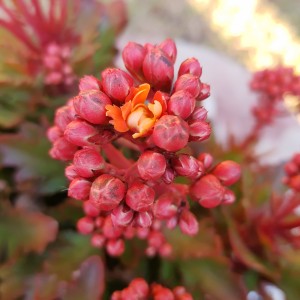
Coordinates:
292	170
140	289
57	67
272	85
125	198
211	189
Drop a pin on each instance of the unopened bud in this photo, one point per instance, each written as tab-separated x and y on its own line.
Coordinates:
206	159
188	83
158	69
294	182
229	197
170	133
168	46
88	162
70	172
181	104
116	83
98	240
85	225
54	133
228	172
107	192
79	189
122	215
164	208
199	131
204	91
190	66
140	197
63	116
63	150
88	83
169	176
90	105
208	191
188	166
90	209
115	247
199	114
144	219
81	133
151	165
140	286
133	56
188	223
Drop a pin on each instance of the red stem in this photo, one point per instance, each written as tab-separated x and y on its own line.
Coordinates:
116	157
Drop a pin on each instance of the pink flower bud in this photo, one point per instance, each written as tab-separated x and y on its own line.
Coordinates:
165	250
109	230
98	240
188	83
229	197
90	105
199	114
294	183
204	91
88	83
206	159
90	209
107	192
188	223
99	221
168	46
115	247
164	208
140	286
85	225
122	215
228	172
170	133
151	165
188	166
133	56
54	133
70	172
144	219
116	83
156	239
190	66
199	131
116	295
63	150
88	162
81	133
161	293
158	69
172	223
79	189
140	197
63	116
169	176
181	104
291	168
208	191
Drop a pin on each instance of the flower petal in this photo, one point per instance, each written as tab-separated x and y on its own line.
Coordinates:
115	113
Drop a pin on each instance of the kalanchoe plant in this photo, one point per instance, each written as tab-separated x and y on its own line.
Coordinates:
154	118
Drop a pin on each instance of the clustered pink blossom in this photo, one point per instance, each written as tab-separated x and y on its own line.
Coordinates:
140	289
145	113
272	85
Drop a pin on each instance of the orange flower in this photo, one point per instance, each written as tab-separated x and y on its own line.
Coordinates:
137	115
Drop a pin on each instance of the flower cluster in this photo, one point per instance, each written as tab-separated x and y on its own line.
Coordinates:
272	85
140	289
147	114
292	170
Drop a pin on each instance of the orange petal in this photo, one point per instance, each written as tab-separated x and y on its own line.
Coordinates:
126	110
141	95
144	127
115	113
161	99
155	108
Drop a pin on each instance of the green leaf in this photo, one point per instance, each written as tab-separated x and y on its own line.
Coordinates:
22	231
210	277
28	152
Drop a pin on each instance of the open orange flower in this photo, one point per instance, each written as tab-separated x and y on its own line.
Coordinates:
137	115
